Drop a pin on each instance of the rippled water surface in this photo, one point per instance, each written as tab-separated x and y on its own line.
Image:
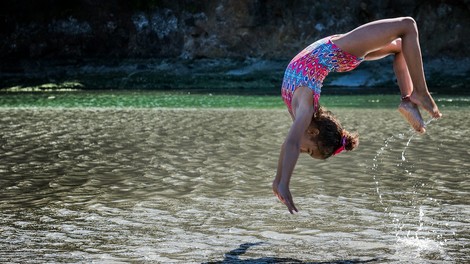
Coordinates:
117	185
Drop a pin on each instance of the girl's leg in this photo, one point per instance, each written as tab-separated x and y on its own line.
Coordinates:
373	36
408	109
399	65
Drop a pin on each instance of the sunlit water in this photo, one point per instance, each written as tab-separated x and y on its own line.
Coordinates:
115	185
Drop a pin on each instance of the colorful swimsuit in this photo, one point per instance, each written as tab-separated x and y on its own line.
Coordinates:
311	66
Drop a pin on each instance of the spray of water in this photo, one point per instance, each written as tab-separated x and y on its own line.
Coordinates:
404	150
375	167
412	243
375	164
411	137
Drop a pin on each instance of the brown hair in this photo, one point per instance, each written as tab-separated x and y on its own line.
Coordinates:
330	134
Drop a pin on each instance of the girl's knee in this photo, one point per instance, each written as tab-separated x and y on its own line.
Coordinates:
408	20
409	25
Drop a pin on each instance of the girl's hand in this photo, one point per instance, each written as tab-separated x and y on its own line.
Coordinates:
283	194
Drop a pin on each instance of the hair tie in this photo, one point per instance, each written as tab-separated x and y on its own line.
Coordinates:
343	145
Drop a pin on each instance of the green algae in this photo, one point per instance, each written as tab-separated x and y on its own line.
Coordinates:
191	99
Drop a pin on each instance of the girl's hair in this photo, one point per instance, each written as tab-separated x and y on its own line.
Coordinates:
331	133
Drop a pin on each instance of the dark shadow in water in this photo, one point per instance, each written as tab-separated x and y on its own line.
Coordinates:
232	257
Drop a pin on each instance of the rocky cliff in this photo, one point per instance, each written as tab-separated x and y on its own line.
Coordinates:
184	30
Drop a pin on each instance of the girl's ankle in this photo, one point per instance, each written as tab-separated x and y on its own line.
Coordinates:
405	98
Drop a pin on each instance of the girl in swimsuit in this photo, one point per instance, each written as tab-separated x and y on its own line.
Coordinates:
316	131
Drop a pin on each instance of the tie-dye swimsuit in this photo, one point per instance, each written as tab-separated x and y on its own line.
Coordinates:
310	67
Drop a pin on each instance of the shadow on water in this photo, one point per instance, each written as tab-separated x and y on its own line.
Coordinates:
232	257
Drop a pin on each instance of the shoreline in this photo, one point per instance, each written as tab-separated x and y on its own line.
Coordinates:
176	100
250	76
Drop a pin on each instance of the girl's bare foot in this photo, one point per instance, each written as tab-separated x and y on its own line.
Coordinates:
427	103
411	113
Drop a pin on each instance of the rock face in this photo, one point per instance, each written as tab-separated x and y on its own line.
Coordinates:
184	29
213	44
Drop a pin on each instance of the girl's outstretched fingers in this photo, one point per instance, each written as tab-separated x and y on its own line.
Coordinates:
284	195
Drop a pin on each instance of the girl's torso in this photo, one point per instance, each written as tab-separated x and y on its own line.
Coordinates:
310	67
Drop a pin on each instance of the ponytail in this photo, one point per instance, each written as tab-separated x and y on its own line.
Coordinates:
352	140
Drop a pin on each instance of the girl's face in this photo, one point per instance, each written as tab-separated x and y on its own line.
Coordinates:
308	144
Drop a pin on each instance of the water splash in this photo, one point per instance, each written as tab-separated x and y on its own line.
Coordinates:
418	245
380	152
404	150
411	137
375	168
413	249
415	237
375	165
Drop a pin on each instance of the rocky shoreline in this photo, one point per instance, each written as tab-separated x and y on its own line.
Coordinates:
227	46
251	75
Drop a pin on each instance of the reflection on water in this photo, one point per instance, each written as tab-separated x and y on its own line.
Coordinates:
153	185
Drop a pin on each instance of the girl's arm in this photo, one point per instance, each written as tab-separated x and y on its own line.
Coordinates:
290	151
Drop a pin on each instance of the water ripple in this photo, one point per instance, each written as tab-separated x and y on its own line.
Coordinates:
154	185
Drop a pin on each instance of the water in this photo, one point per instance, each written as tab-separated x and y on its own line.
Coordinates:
166	185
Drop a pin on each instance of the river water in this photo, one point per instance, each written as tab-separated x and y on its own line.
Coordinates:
154	185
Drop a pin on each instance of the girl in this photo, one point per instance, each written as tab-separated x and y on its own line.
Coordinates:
314	130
